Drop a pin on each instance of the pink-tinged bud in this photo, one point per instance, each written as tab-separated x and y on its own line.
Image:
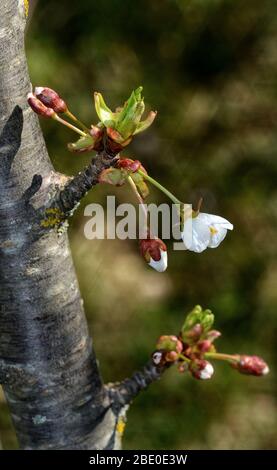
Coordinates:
171	356
179	346
50	99
251	365
188	351
155	253
201	369
39	108
129	164
204	346
212	335
195	332
170	343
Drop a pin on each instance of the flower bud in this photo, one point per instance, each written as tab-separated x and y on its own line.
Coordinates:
51	99
154	252
171	356
251	365
194	334
204	346
170	343
39	108
212	335
201	369
96	132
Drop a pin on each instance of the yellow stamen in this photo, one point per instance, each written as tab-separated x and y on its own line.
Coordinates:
213	230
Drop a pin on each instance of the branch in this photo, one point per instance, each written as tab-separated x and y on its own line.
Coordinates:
69	197
123	393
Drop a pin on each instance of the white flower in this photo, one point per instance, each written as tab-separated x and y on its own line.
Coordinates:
204	231
160	265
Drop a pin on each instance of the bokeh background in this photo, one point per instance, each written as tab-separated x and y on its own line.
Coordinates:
210	69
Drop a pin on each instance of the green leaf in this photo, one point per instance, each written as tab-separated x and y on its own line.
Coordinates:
143	125
104	113
129	117
83	144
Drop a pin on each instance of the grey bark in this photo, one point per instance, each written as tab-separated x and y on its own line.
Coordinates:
48	367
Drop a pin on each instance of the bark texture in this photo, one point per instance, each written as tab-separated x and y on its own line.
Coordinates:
48	367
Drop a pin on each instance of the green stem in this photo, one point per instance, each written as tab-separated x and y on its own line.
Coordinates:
221	357
67	124
184	358
160	187
75	119
138	196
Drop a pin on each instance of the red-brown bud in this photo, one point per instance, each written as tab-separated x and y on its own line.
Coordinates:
251	365
39	108
51	99
155	253
96	132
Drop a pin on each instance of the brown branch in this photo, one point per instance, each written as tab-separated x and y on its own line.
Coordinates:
69	197
123	393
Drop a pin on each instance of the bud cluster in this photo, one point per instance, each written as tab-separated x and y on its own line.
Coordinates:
193	349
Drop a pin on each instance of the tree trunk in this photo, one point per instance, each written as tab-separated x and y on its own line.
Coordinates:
48	367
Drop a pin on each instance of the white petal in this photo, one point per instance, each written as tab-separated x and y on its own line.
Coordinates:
216	220
217	236
207	372
265	370
160	265
196	234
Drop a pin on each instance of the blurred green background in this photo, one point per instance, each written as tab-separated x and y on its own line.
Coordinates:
210	69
